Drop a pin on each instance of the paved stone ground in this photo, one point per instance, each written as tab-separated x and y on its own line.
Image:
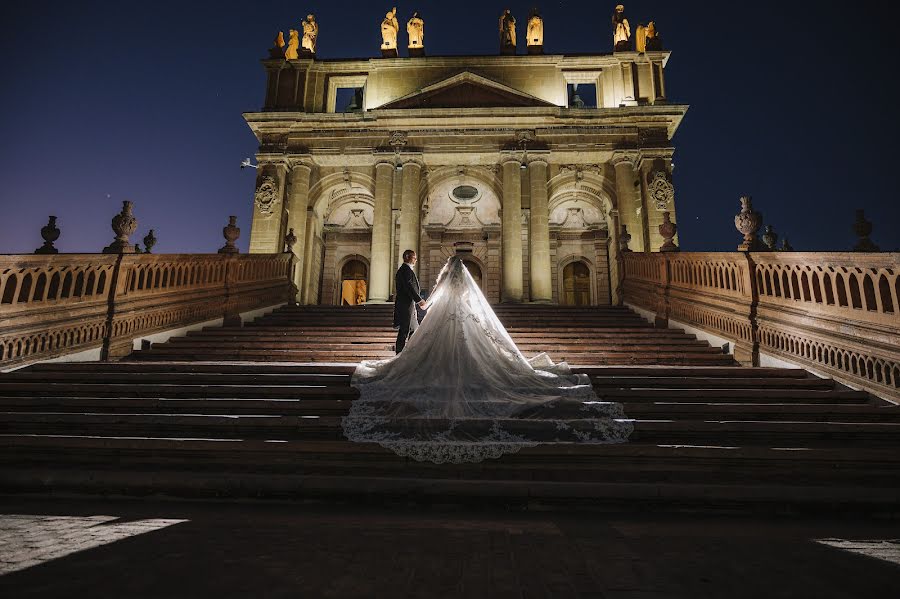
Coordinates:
143	549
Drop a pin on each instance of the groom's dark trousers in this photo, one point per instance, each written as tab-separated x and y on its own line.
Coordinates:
408	295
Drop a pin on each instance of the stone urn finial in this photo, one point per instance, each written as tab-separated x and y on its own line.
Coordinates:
624	239
123	225
231	233
668	229
770	238
289	241
149	241
863	228
50	233
748	222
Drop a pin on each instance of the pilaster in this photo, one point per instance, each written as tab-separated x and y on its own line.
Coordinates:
541	281
380	266
511	223
630	207
268	208
297	204
409	208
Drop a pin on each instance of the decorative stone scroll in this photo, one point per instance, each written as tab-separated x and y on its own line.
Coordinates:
662	192
266	196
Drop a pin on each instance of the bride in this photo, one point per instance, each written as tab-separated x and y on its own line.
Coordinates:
461	391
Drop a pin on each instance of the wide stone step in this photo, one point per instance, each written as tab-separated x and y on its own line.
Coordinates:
124	390
197	366
823	412
97	457
730	432
324	335
670	382
170	378
734	395
9	380
337	344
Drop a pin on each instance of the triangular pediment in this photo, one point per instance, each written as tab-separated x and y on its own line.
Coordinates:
466	90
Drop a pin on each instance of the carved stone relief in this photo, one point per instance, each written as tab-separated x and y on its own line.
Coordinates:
662	192
266	197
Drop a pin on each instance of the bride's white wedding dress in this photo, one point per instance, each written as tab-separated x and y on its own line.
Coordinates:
461	391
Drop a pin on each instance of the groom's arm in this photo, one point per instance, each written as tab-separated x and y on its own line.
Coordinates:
406	277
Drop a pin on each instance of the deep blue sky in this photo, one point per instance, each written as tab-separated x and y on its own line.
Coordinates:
107	101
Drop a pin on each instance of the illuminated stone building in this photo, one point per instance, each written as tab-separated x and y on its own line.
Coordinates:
526	165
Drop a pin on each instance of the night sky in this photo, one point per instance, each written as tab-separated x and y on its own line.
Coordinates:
111	101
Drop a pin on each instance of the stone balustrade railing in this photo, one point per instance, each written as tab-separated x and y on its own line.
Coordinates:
53	305
834	313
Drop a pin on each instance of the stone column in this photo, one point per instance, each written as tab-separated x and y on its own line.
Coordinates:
380	266
268	209
297	203
539	234
410	209
629	204
615	258
511	272
306	295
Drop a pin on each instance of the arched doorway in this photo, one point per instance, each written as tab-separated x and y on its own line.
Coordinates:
354	290
577	284
474	270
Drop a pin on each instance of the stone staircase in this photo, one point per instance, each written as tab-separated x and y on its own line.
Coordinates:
215	414
327	334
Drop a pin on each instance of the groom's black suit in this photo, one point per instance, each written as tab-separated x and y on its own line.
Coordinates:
408	295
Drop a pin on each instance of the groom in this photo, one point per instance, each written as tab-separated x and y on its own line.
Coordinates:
408	295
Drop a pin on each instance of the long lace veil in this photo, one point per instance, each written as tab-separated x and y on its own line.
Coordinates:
461	391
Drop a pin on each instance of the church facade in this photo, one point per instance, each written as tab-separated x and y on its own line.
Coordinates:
529	167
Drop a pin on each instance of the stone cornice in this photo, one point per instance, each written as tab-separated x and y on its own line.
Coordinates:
370	64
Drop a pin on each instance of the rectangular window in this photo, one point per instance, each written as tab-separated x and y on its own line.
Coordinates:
348	99
582	95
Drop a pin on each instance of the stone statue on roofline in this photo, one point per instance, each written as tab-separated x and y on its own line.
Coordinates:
535	33
310	35
389	29
277	49
654	42
621	30
293	45
640	38
507	26
415	29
